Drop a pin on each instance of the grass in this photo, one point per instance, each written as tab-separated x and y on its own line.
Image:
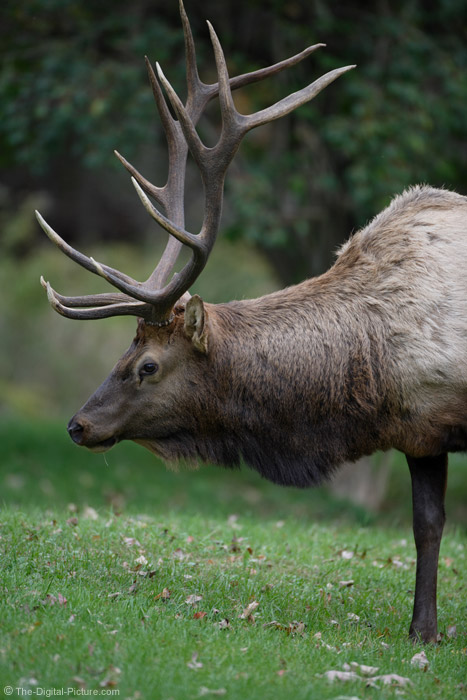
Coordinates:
125	577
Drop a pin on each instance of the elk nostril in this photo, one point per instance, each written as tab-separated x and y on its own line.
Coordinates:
75	430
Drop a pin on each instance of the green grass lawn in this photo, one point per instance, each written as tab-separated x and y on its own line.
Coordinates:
119	576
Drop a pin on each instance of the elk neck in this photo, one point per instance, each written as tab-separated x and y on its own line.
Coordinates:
291	369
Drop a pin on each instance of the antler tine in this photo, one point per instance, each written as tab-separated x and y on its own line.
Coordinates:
89	299
296	99
198	92
180	234
108	273
156	192
67	306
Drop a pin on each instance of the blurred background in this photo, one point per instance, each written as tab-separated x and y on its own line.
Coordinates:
73	87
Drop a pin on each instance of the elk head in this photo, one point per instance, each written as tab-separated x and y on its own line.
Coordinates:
150	394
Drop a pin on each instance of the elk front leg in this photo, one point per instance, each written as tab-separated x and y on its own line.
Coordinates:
429	477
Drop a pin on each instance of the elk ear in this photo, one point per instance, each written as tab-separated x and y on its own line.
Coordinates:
195	323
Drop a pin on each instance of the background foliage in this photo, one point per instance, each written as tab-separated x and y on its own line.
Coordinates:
73	87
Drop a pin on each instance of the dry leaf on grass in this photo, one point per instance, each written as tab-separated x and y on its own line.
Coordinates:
370	680
179	554
343	676
420	660
59	599
346	554
131	541
247	614
165	594
193	599
361	668
390	679
90	513
207	691
194	664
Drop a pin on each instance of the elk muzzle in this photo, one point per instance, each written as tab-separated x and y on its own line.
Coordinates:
83	434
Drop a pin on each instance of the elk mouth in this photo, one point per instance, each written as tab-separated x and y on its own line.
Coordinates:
103	446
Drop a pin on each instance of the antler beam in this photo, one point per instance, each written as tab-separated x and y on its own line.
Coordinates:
155	298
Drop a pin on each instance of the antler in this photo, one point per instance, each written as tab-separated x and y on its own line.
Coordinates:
154	299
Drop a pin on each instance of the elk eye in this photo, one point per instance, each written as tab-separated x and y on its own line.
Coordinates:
150	368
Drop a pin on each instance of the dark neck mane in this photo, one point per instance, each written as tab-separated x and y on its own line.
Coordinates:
299	388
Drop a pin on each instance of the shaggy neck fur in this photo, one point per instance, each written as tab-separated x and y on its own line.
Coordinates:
293	390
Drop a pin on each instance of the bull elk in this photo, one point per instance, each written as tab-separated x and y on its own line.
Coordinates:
371	355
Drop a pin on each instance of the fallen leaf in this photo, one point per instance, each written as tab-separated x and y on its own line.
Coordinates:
224	624
364	670
199	615
346	554
420	660
207	691
249	610
391	679
141	560
273	623
90	513
346	584
194	664
353	617
296	628
130	541
232	521
451	632
179	554
343	676
193	599
52	600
